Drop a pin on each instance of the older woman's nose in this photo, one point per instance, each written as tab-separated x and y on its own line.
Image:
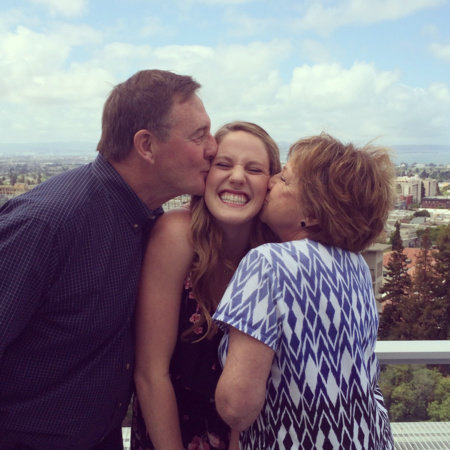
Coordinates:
273	179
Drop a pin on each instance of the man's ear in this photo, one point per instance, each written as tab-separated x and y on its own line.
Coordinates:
143	140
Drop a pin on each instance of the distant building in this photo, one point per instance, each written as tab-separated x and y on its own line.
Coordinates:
436	202
409	186
398	215
431	187
439	216
7	192
177	202
408	231
403	202
374	258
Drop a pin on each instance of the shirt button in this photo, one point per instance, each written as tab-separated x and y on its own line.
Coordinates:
120	404
127	366
135	226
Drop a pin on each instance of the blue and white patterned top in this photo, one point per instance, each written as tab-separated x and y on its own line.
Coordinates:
314	306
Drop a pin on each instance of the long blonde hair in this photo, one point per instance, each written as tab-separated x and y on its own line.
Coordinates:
207	236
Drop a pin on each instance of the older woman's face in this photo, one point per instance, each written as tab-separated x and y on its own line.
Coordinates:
283	210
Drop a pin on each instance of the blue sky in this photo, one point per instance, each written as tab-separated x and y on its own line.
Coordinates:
358	69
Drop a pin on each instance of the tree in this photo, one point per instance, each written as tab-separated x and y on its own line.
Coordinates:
422	213
442	286
430	308
442	266
422	187
439	409
12	177
396	290
415	393
433	233
424	278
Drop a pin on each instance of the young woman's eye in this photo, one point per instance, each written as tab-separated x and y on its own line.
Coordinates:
283	179
223	165
255	170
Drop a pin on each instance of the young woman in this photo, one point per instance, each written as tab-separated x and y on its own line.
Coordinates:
191	256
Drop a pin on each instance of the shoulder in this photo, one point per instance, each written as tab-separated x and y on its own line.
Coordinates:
169	249
275	251
173	223
171	234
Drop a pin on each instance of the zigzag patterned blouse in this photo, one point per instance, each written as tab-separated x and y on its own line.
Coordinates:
314	306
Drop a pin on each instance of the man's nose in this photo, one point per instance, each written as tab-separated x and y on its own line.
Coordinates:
211	148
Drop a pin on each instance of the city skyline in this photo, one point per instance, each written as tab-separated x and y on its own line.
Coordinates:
358	69
409	154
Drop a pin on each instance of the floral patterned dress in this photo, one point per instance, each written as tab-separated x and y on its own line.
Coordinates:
195	370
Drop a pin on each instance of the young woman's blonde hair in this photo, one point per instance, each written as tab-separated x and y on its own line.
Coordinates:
207	237
349	190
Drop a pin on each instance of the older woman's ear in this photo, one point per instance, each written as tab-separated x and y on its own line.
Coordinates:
308	222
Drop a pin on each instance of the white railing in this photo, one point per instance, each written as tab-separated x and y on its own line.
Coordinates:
413	352
430	435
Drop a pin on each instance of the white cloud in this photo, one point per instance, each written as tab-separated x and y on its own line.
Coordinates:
324	19
30	58
315	51
220	2
67	8
241	25
26	55
45	93
440	51
73	35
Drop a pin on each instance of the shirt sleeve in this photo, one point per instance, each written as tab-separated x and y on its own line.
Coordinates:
25	248
250	303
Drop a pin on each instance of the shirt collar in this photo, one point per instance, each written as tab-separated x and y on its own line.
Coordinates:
137	213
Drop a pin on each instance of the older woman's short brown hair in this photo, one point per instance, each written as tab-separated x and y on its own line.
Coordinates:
348	190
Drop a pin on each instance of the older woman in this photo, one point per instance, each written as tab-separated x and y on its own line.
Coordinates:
300	315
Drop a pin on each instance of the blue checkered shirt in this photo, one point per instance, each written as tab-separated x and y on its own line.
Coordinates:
70	256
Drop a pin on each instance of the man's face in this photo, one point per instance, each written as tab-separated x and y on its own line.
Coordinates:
185	157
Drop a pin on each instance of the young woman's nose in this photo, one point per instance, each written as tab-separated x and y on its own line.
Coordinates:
237	174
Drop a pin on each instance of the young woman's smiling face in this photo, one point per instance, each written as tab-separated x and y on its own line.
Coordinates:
236	185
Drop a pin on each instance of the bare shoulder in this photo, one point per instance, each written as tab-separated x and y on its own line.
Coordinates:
173	224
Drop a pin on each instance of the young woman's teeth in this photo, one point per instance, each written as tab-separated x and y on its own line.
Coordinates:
238	199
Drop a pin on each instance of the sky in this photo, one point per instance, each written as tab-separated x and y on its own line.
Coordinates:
361	70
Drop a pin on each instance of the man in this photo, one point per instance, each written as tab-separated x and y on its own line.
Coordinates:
70	257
